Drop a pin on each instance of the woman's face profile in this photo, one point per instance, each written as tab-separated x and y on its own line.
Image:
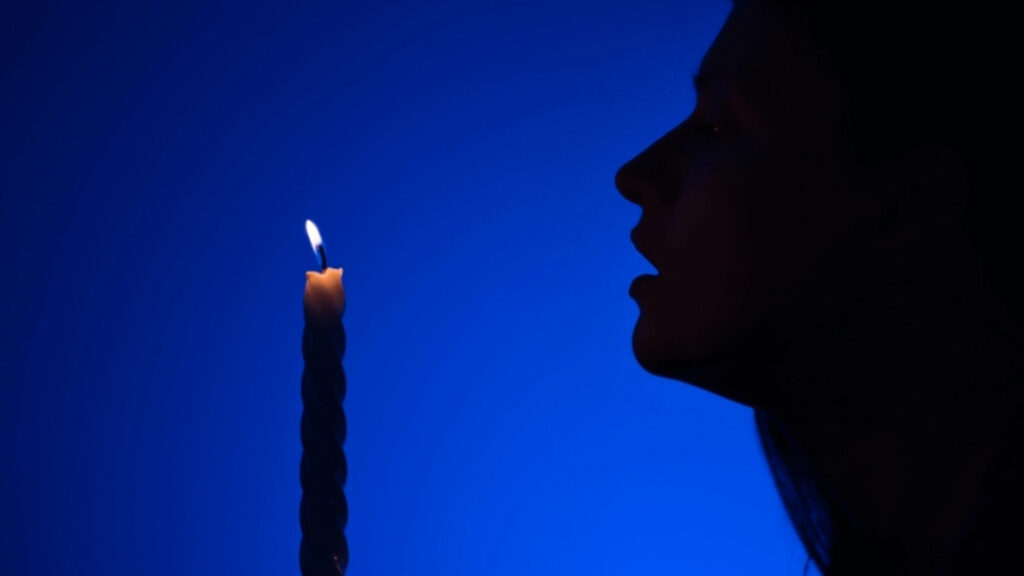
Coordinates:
740	200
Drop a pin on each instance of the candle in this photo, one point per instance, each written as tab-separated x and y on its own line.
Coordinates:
323	512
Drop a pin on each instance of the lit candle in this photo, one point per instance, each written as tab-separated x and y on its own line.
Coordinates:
323	512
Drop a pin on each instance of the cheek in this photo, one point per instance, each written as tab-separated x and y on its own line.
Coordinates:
796	219
710	277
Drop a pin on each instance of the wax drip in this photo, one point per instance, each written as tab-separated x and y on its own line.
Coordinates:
323	511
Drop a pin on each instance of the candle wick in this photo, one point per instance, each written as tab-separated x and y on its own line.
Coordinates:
323	257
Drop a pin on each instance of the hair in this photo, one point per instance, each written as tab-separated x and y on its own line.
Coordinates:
915	72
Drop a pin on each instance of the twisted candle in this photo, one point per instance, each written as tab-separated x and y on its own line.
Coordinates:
323	511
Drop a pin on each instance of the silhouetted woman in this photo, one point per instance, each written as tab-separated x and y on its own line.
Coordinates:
837	248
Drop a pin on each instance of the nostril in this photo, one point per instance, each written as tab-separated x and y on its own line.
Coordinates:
637	188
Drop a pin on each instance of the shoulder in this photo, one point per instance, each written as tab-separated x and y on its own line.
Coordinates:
992	539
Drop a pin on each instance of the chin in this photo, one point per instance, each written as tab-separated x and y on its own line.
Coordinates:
663	347
703	358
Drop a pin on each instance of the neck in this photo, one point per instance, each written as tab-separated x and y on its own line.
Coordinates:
896	389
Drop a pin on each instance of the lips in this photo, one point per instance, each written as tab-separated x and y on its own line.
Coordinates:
642	285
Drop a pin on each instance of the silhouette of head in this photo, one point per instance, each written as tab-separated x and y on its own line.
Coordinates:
836	242
832	143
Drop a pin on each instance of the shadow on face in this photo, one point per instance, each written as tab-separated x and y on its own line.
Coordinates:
741	201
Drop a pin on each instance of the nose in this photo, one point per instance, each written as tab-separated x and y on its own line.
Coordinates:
627	183
652	174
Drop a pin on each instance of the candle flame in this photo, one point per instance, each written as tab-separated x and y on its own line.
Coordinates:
314	235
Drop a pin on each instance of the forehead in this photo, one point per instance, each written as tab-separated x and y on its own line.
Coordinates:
765	52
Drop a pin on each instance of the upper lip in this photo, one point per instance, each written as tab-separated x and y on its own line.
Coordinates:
640	241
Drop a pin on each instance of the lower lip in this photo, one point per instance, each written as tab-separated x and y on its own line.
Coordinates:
641	285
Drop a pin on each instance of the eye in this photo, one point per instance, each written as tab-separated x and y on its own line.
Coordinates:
707	129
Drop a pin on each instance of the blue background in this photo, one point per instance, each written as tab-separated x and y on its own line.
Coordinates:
158	164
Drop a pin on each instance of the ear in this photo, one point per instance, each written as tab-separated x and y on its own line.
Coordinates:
928	191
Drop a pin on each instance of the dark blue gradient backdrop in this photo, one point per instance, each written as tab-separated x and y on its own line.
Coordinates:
158	164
